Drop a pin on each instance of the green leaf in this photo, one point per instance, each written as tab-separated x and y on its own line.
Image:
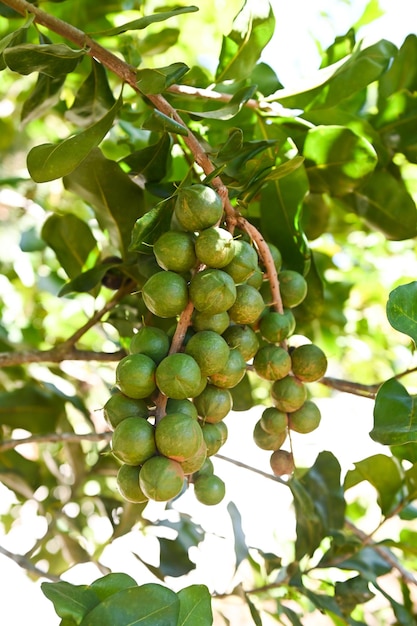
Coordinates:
384	203
93	99
395	415
54	60
86	281
229	110
150	605
256	616
195	606
31	407
112	583
337	160
383	473
402	75
150	226
252	29
70	601
162	123
319	503
402	309
143	22
341	81
15	37
349	593
151	163
281	207
19	474
43	97
241	548
117	201
174	559
397	122
50	161
71	239
153	81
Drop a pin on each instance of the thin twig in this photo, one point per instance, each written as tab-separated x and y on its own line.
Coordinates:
10	444
276	479
24	563
358	389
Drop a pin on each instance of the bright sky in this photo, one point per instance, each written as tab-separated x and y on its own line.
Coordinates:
294	53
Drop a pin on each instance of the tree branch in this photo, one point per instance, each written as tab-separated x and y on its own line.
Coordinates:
26	564
10	444
56	355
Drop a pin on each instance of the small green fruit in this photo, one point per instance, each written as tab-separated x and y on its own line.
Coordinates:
198	207
178	376
212	291
275	327
215	247
273	421
288	394
248	305
309	363
272	362
232	373
118	407
128	483
244	339
182	406
135	376
268	441
213	404
133	441
244	262
161	479
207	321
174	250
306	419
293	288
152	341
215	435
178	436
165	294
210	351
209	490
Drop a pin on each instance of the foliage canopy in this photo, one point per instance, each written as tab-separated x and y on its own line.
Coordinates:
109	119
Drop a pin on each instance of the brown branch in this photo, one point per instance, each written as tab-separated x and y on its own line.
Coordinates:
24	563
346	386
56	355
276	479
10	444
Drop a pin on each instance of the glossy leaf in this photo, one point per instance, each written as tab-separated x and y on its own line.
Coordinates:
402	75
402	309
70	601
319	503
153	81
336	83
112	583
382	472
43	97
281	206
31	407
15	37
385	204
150	226
149	604
117	201
195	606
241	548
50	161
349	593
71	239
397	122
337	160
395	415
229	110
93	99
163	123
88	280
252	30
51	59
143	22
151	163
